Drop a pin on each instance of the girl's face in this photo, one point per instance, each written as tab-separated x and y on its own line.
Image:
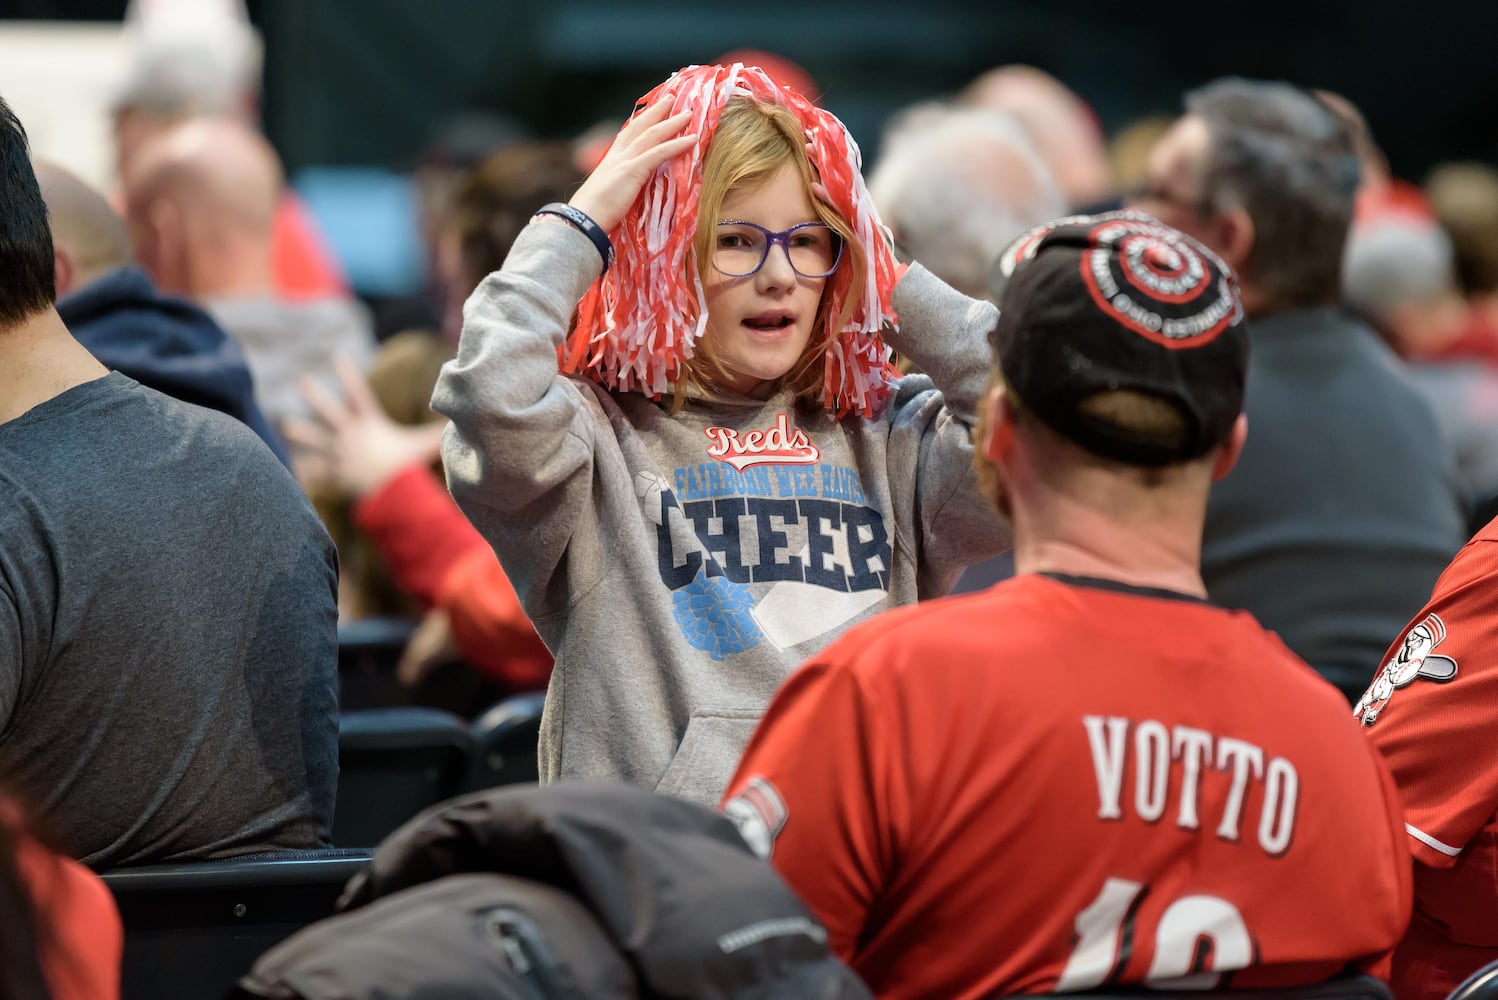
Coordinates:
760	324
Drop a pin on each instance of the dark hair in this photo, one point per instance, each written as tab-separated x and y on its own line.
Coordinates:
1286	159
499	198
26	280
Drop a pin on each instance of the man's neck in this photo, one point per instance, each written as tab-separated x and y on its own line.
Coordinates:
1065	535
240	268
40	360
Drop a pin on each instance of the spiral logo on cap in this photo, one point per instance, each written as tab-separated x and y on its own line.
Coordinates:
1025	246
1159	283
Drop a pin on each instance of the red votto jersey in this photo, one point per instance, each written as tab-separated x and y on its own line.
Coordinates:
1430	710
1063	784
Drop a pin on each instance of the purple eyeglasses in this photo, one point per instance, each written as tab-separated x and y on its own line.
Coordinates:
814	249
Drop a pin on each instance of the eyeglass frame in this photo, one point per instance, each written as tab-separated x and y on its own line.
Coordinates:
782	238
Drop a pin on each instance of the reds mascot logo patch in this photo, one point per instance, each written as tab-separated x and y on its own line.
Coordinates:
760	813
1414	659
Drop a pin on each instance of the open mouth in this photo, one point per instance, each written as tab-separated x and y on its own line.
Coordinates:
769	322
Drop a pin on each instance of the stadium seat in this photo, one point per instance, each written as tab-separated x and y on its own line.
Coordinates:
1481	985
504	742
372	642
368	650
393	763
192	929
1342	988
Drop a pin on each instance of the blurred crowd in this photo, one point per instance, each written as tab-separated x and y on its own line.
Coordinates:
1371	454
208	218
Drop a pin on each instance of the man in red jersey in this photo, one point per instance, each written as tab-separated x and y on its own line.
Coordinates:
1086	776
1430	711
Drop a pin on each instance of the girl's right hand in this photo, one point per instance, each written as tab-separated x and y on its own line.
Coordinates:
643	144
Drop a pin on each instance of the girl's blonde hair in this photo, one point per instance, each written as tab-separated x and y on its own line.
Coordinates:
640	327
753	141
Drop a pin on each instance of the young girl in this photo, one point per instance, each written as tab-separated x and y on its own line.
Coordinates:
733	473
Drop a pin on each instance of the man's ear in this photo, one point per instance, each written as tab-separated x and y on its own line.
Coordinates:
1235	237
998	425
169	245
1227	457
63	274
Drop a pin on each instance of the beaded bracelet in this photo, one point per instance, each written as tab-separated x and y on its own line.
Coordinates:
586	225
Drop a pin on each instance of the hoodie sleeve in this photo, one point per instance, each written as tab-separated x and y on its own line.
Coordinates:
519	453
945	334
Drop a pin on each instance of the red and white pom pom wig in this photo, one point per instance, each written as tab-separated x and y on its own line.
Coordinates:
640	322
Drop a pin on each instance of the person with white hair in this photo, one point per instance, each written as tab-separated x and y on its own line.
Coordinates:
957	185
111	307
189	58
203	59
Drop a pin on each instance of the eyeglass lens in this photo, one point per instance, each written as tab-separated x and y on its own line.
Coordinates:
813	248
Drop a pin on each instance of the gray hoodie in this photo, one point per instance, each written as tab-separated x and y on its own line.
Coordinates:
680	567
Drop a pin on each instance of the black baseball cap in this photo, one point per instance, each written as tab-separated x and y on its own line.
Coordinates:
1114	301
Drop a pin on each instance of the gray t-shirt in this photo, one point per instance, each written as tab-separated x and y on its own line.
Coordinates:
168	631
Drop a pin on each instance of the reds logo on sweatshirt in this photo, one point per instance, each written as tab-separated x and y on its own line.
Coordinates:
777	446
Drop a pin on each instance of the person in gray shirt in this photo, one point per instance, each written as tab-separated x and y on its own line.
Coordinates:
168	617
1344	507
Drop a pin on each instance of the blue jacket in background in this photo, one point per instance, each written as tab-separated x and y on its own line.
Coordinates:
165	343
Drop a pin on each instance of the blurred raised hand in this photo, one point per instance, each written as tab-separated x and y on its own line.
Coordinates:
350	445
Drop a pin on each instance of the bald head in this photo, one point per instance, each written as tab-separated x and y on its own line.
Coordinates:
1059	122
89	239
957	186
218	165
201	201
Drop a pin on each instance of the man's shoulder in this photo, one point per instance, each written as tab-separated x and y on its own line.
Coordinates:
1479	551
1009	614
117	420
1030	618
194	428
1442	660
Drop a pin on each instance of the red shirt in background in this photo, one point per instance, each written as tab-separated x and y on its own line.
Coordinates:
305	267
82	934
1062	785
437	556
1430	711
